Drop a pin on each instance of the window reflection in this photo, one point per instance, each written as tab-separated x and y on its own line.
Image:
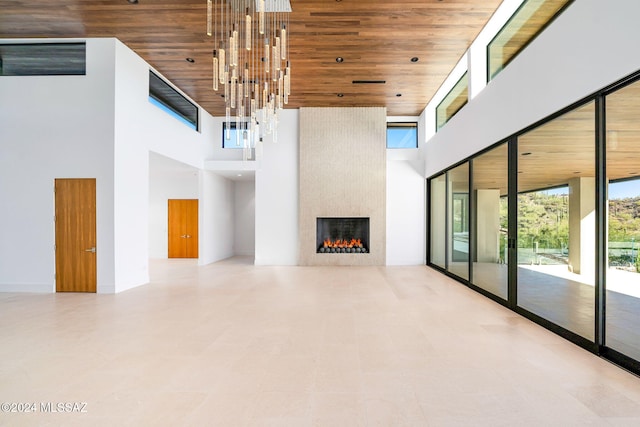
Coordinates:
457	97
490	179
438	197
556	221
458	224
523	26
623	171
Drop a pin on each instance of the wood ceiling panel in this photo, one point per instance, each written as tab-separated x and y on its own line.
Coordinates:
377	39
564	148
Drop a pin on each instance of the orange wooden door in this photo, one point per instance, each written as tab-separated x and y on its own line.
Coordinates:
183	228
75	235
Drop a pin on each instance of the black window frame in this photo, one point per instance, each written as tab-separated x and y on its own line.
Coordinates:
43	59
412	125
164	93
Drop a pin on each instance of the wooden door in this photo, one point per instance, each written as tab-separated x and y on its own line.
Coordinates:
183	228
75	221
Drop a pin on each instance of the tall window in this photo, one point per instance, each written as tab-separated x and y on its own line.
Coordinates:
551	223
490	191
528	21
458	221
623	246
437	215
556	221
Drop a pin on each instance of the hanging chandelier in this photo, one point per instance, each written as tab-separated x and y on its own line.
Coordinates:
251	64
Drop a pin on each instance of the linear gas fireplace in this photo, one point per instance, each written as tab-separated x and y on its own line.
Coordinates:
342	235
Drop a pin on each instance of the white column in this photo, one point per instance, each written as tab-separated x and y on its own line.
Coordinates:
582	244
487	225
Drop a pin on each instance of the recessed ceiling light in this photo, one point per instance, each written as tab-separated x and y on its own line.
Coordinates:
239	174
526	154
190	60
415	59
340	95
339	59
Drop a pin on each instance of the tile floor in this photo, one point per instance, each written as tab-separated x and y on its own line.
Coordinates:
231	344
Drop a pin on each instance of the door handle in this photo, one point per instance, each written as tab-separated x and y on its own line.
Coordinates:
92	250
188	236
184	236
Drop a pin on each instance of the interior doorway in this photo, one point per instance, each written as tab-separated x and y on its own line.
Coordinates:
75	228
183	228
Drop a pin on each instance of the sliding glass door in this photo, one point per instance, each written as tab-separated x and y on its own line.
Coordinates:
437	218
490	221
623	218
549	223
556	221
458	221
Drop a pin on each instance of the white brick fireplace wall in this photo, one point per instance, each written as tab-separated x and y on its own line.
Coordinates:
342	174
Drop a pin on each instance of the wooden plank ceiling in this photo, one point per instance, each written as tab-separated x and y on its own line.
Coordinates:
376	38
564	148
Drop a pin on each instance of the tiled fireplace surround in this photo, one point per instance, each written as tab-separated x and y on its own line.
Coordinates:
342	174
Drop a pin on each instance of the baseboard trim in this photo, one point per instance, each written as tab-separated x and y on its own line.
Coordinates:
40	288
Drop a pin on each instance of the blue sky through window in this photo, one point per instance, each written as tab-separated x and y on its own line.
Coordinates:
402	137
171	112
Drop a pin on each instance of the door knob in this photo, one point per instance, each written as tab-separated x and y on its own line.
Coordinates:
92	250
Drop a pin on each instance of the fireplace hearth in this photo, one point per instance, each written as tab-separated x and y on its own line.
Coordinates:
342	235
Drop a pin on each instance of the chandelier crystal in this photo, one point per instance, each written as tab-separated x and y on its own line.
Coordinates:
251	64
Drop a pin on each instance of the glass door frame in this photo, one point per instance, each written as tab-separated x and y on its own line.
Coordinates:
598	345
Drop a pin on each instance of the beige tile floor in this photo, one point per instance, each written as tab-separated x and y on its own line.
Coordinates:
231	344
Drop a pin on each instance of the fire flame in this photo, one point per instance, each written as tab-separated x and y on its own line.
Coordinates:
353	243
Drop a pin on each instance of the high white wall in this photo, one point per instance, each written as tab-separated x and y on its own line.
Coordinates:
54	127
591	45
216	218
245	218
141	127
277	196
100	125
406	232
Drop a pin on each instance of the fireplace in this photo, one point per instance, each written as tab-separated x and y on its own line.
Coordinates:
342	235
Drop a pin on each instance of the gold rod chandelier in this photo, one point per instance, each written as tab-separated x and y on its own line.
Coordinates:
251	64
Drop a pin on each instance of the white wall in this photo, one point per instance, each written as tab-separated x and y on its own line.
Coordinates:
141	127
100	125
277	196
591	45
245	218
406	232
54	127
216	218
168	179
